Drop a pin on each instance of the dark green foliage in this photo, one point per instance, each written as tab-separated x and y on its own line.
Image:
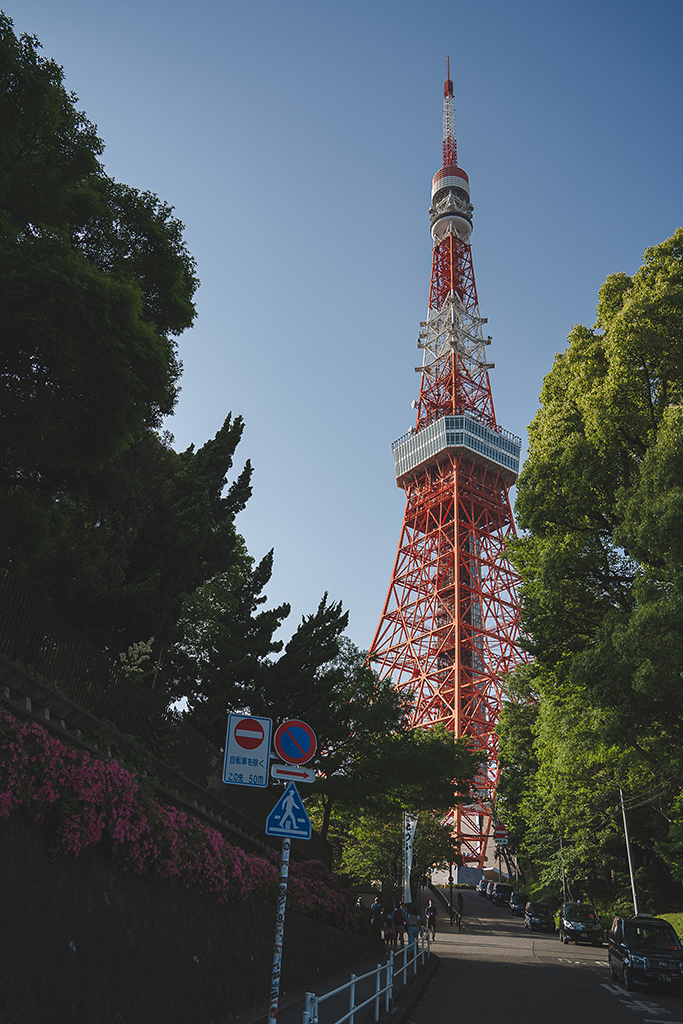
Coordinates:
139	535
223	643
96	281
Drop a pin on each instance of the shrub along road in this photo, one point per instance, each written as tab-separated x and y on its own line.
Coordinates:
499	972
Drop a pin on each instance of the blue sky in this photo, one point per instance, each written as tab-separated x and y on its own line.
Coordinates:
297	142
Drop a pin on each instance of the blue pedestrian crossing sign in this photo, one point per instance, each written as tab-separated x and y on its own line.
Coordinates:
288	818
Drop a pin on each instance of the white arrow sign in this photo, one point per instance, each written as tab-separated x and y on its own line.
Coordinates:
292	772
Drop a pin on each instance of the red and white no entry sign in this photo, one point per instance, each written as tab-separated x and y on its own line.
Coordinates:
500	832
249	734
247	750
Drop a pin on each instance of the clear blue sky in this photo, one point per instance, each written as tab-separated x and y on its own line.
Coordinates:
297	141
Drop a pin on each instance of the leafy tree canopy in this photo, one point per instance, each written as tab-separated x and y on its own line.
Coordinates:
96	282
373	846
132	539
601	502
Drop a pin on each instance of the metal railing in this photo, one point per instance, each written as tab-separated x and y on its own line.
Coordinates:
416	950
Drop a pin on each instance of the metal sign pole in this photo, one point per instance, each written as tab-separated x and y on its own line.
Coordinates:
279	931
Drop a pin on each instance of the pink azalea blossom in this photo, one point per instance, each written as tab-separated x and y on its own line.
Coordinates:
94	801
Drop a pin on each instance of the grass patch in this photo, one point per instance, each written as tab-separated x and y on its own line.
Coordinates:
676	920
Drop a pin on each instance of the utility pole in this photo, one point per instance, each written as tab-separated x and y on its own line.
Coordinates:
628	852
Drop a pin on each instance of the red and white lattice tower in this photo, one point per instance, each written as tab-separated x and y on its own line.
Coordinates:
450	625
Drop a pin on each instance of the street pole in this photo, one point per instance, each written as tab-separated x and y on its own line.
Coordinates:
279	931
450	884
564	877
628	851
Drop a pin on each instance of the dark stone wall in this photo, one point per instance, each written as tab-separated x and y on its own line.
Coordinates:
82	942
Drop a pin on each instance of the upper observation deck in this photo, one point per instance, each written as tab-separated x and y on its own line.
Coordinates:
495	449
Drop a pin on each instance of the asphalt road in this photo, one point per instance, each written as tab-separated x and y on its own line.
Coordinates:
497	972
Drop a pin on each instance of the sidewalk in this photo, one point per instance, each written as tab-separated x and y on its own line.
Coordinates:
406	995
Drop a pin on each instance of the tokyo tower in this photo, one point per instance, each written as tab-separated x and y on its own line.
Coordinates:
450	625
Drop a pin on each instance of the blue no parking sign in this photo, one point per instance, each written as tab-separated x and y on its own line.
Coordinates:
295	742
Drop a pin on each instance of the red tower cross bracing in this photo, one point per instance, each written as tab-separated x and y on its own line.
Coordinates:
450	625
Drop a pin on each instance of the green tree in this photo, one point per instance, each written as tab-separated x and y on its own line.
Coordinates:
142	533
96	284
373	844
365	748
601	502
100	516
223	643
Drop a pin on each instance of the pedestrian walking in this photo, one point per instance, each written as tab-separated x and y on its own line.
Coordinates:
390	931
413	924
400	923
430	914
460	902
376	918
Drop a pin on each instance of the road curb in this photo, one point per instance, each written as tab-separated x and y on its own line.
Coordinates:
414	992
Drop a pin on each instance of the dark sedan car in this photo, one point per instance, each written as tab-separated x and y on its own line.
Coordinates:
517	904
501	894
579	922
645	951
539	917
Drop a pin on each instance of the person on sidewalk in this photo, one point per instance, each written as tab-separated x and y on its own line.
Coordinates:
376	918
400	923
390	931
430	914
413	924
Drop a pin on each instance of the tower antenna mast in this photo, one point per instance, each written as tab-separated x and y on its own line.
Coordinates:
450	145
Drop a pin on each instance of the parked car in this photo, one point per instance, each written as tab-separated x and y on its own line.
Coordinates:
579	922
489	890
501	894
539	917
645	950
517	904
481	886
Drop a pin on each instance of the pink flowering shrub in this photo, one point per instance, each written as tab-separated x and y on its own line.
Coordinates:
90	801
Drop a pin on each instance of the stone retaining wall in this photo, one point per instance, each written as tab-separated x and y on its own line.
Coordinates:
82	942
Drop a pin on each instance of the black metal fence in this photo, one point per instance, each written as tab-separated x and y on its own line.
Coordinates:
36	637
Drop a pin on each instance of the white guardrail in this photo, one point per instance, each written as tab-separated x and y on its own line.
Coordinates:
417	950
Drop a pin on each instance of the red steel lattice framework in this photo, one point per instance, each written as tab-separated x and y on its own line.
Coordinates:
450	626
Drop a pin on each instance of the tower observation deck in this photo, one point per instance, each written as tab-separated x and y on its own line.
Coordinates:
449	629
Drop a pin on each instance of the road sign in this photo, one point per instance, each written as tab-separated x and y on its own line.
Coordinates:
500	835
249	733
288	818
247	751
295	742
292	772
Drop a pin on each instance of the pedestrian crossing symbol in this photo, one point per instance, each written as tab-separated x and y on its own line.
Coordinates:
288	818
